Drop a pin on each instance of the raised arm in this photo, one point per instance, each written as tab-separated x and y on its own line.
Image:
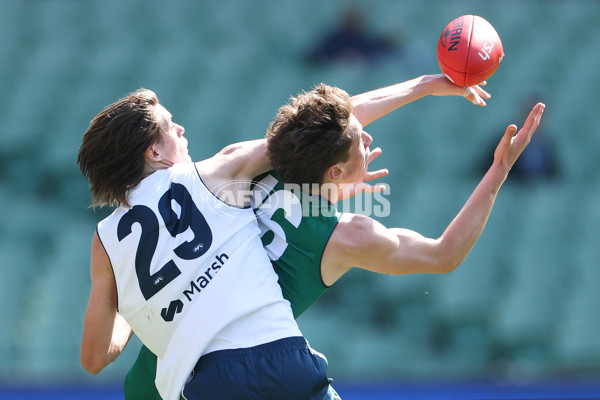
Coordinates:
229	172
374	104
243	160
236	162
105	332
360	241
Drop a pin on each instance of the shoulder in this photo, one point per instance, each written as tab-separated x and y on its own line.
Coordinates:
358	237
97	245
100	264
359	231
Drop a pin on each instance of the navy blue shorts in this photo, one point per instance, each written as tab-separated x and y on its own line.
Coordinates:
284	369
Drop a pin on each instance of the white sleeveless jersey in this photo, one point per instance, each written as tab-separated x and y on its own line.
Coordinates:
191	274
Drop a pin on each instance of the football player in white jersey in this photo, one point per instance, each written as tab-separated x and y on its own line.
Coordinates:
185	269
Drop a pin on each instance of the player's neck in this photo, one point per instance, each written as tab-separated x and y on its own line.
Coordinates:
330	190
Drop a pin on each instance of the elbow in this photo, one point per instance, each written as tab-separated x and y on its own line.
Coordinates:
449	256
92	364
445	262
91	368
432	265
449	262
448	266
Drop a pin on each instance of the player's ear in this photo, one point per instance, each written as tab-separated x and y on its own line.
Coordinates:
152	153
335	172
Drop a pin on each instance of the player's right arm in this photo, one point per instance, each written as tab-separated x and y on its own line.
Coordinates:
374	104
105	332
359	241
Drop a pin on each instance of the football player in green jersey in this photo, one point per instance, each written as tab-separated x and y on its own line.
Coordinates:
298	244
318	139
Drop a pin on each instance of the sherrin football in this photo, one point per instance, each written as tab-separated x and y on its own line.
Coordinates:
469	50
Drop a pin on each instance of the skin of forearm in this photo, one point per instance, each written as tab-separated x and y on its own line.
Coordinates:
374	104
120	337
121	334
463	232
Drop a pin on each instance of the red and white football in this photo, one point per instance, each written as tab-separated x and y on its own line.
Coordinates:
469	50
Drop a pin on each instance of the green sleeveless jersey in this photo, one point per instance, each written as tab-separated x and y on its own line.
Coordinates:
295	228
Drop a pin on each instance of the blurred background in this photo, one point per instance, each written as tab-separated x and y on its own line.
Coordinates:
518	318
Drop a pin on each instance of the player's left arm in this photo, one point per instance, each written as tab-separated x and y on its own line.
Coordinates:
363	242
360	241
105	331
374	104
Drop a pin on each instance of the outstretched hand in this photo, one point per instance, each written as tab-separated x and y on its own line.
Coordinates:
512	145
355	188
475	94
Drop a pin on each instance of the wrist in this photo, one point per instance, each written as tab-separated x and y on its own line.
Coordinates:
427	82
496	175
435	85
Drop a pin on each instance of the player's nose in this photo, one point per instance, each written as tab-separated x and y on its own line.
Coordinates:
367	139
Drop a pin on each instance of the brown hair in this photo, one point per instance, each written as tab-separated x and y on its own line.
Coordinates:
309	134
111	155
